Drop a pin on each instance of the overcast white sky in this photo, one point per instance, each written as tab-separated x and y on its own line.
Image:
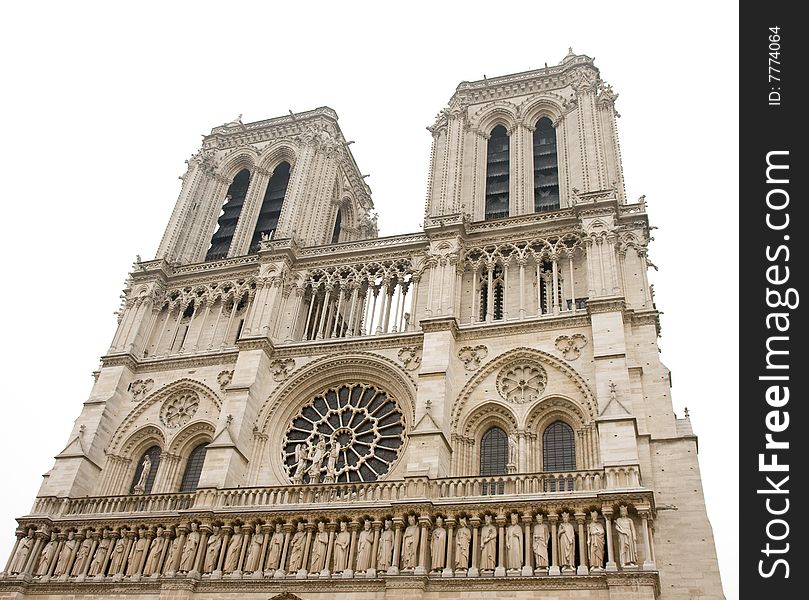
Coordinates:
103	102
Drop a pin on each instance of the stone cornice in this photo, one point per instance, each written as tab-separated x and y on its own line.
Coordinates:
527	82
486	330
376	585
605	305
435	324
542	223
343	345
238	133
147	365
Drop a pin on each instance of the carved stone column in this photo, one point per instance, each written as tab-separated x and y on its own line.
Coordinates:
325	573
280	573
226	531
582	568
247	534
114	536
95	536
204	532
348	573
371	572
607	512
302	573
474	522
20	533
182	530
500	570
163	551
553	518
398	522
268	531
424	527
33	557
528	566
648	559
448	565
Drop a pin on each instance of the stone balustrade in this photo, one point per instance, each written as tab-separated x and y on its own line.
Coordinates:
440	490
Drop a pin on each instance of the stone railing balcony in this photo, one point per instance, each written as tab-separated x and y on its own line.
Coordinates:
447	490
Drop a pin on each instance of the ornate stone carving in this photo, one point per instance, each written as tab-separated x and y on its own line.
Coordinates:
224	378
281	368
627	539
410	357
567	543
179	409
570	346
140	387
522	383
351	432
472	355
595	542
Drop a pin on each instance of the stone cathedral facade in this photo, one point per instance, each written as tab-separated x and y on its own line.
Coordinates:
293	407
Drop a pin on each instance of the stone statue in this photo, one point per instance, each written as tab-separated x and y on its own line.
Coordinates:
410	544
118	556
146	467
189	550
276	547
365	546
512	449
540	543
463	538
101	553
384	554
212	547
316	456
595	541
62	565
296	551
137	553
567	542
438	545
174	548
81	556
627	539
152	566
21	555
46	556
301	456
488	544
234	551
514	543
320	545
252	562
341	543
331	462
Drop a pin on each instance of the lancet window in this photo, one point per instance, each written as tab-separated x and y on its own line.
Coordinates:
271	205
232	208
497	168
546	167
145	471
193	468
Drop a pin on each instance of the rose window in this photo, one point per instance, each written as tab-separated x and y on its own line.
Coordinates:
350	433
522	383
179	409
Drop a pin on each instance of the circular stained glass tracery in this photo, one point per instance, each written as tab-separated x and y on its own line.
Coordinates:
349	433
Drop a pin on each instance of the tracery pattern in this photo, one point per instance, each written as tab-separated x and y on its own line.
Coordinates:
179	409
349	433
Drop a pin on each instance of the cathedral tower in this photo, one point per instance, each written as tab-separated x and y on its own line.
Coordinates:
294	407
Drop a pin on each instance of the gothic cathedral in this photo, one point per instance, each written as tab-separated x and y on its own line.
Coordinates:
295	408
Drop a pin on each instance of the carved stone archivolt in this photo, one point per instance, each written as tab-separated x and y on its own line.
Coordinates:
522	382
281	368
351	433
179	409
410	356
141	387
472	355
570	346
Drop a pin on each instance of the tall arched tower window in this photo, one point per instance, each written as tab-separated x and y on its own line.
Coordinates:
546	167
220	241
193	468
335	234
271	205
497	152
493	452
143	484
558	447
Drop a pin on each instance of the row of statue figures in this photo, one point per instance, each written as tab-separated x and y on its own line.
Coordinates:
518	545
